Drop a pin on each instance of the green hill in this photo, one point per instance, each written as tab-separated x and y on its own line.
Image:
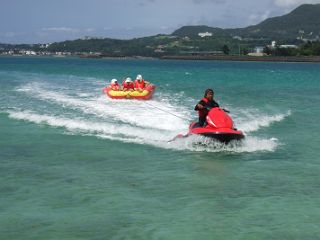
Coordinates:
304	21
192	31
301	22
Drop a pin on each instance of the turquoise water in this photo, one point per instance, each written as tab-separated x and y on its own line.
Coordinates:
77	165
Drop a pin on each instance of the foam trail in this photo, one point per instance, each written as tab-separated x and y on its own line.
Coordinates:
75	125
249	144
153	137
255	121
134	112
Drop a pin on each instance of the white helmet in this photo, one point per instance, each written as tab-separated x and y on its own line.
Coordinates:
139	77
114	81
128	80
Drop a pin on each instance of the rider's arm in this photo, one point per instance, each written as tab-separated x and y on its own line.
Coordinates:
200	105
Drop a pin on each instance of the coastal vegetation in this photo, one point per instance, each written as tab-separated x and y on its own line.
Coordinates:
306	49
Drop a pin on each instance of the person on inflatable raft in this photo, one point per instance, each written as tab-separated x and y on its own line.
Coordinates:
140	83
114	85
128	85
141	89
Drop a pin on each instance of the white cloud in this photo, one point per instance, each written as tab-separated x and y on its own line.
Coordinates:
89	29
209	1
61	29
165	27
290	3
258	17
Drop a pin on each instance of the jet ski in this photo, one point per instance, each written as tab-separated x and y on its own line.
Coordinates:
219	126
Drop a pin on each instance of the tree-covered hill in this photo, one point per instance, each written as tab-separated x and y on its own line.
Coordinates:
112	47
302	22
192	31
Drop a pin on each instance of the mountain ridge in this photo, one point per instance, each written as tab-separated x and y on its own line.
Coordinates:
303	18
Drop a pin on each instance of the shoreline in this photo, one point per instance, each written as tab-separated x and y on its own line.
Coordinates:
313	59
302	59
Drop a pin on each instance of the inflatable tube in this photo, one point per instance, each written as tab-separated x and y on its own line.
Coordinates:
144	94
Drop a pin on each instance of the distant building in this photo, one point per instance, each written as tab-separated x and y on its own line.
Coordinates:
288	46
274	45
160	49
33	53
257	52
237	38
205	34
258	49
254	54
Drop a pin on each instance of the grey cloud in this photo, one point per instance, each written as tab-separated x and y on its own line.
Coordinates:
290	3
209	1
60	29
143	3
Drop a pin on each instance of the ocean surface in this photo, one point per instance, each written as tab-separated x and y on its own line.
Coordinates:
77	165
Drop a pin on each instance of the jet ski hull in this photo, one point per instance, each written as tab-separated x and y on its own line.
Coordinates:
224	135
219	126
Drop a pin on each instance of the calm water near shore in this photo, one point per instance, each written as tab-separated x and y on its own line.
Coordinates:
77	165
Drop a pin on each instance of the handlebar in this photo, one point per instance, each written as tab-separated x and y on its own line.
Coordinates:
209	108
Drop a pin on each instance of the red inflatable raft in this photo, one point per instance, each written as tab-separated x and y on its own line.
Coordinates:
144	94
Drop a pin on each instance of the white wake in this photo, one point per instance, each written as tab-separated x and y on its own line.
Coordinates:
153	122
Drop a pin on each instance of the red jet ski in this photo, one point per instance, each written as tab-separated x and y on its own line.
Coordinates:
219	126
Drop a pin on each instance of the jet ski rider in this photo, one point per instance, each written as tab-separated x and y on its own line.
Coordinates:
203	104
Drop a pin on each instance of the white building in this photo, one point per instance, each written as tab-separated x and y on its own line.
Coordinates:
257	52
258	49
237	38
33	53
288	46
205	34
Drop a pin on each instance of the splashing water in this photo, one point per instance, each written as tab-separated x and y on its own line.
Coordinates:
152	122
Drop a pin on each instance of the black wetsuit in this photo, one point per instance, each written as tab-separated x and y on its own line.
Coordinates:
204	112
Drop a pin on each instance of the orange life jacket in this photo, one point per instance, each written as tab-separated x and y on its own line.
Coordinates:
115	86
203	112
139	84
128	86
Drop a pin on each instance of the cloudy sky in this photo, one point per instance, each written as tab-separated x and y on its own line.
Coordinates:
44	21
